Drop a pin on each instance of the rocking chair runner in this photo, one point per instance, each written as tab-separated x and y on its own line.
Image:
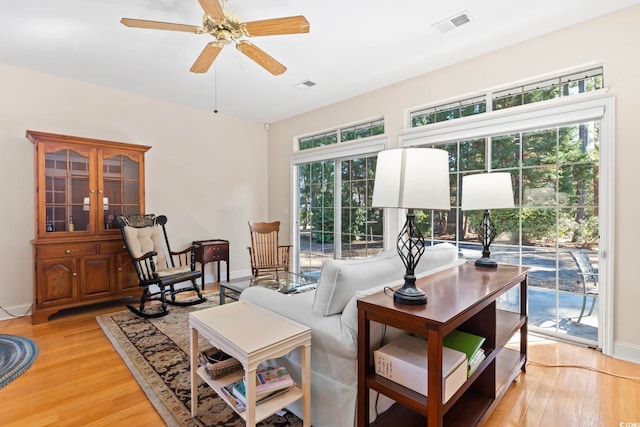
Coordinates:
267	256
145	237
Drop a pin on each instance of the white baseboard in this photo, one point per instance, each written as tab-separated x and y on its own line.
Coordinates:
626	351
15	311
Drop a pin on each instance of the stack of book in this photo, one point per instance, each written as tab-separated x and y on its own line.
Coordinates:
470	345
217	363
270	382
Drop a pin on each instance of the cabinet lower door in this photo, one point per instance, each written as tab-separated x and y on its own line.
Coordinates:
57	282
97	276
127	279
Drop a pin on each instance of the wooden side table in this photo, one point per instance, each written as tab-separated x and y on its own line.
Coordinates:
465	298
252	335
212	250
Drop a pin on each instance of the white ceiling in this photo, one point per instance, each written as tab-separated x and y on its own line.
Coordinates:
354	46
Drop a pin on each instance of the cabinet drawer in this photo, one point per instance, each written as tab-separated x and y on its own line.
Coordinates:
114	247
65	250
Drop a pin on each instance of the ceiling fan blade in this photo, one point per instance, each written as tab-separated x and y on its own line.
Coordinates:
206	57
260	57
213	9
157	25
270	27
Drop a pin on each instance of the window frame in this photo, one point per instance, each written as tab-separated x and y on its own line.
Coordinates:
596	105
334	152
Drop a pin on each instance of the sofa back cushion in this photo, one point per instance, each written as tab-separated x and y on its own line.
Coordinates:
341	279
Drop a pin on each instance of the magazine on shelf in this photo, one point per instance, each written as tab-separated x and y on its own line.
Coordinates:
469	344
477	359
237	405
272	378
238	391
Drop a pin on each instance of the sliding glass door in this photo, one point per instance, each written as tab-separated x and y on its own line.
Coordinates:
338	224
555	176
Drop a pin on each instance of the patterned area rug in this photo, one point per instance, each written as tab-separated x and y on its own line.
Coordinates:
156	351
16	356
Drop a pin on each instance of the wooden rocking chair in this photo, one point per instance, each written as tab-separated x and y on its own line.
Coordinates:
267	256
145	237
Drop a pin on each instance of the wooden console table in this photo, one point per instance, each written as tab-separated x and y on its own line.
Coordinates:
212	250
464	298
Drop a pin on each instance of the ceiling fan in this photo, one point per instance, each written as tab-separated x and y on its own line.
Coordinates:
226	29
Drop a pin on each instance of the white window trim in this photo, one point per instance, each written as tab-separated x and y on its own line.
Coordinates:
356	147
555	112
589	106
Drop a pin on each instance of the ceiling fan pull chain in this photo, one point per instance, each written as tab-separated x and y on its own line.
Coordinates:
215	88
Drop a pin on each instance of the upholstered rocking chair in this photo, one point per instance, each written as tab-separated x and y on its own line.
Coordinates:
267	256
145	237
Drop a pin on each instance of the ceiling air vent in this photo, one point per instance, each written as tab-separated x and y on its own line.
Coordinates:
453	22
305	84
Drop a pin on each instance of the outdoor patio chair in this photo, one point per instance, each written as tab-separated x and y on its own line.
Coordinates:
145	237
588	280
267	256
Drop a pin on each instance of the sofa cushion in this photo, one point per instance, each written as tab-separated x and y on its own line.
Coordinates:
349	318
340	279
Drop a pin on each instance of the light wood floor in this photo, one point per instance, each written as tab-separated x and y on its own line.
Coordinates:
78	379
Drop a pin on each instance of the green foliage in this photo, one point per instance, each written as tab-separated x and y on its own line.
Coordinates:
423	221
587	231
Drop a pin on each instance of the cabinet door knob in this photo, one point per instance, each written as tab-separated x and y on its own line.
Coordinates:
67	251
75	274
119	268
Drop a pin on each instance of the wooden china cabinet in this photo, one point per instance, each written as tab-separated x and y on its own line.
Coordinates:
82	185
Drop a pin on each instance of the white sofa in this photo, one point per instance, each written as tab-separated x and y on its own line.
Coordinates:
331	312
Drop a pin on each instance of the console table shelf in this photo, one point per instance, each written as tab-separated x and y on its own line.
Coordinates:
464	297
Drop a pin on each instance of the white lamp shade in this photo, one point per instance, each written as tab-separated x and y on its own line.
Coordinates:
412	178
487	191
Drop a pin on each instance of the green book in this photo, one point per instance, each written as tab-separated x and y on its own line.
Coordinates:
465	342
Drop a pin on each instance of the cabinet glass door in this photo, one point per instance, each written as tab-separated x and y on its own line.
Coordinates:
121	189
66	182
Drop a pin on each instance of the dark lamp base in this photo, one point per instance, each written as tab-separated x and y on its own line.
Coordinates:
409	295
486	263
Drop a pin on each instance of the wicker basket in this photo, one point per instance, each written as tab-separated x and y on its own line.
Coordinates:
217	363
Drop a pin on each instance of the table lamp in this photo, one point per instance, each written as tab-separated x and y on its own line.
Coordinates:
483	192
411	178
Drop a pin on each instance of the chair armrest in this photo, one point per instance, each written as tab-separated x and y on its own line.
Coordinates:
188	255
146	256
186	250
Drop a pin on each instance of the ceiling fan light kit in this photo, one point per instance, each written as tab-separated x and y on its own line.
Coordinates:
227	29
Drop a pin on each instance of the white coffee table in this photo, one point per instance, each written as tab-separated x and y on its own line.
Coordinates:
252	335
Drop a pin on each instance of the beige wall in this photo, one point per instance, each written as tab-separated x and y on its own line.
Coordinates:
206	172
607	40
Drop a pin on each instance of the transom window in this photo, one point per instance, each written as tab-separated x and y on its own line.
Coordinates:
543	90
350	133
